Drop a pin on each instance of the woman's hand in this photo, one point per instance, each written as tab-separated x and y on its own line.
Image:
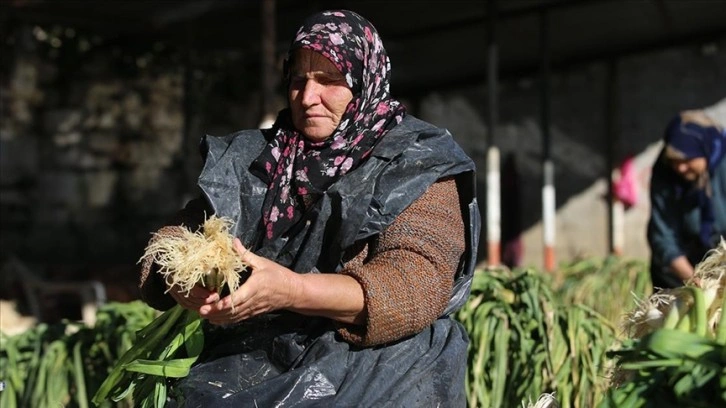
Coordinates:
269	287
197	297
682	268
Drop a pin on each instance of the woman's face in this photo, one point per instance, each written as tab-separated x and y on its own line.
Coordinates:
318	95
689	169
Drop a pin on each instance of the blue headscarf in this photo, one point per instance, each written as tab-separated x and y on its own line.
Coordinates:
692	141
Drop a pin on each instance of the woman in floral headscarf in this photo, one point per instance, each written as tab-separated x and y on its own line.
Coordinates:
688	195
360	226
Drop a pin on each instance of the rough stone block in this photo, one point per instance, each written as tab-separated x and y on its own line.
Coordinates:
100	186
61	188
103	142
18	159
61	120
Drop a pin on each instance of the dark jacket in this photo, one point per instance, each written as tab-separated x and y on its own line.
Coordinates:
674	225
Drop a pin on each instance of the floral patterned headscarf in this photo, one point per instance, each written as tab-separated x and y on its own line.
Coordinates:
299	171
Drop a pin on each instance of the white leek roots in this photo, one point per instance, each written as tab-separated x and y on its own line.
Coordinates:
206	256
667	306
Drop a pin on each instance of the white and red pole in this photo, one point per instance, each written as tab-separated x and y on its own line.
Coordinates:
548	215
494	212
617	217
549	206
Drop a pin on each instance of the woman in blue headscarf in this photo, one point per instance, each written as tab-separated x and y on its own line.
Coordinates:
688	197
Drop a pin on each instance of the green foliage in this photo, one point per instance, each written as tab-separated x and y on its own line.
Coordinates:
64	364
678	365
166	348
609	286
531	333
524	342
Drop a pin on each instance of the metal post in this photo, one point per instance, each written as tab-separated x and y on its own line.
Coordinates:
548	170
492	74
190	144
616	214
268	73
493	189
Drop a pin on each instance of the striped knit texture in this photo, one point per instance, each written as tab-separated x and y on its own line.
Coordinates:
407	275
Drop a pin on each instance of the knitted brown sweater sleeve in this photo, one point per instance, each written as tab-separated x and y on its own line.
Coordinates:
407	276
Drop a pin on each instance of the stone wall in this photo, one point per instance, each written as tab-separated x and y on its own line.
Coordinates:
99	144
81	145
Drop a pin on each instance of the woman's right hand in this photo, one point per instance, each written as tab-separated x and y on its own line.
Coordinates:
196	298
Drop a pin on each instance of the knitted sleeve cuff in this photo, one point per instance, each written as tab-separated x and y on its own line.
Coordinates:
152	285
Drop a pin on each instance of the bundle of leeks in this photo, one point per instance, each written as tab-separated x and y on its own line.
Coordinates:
676	355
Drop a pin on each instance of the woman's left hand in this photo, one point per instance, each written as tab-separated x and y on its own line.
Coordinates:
269	287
